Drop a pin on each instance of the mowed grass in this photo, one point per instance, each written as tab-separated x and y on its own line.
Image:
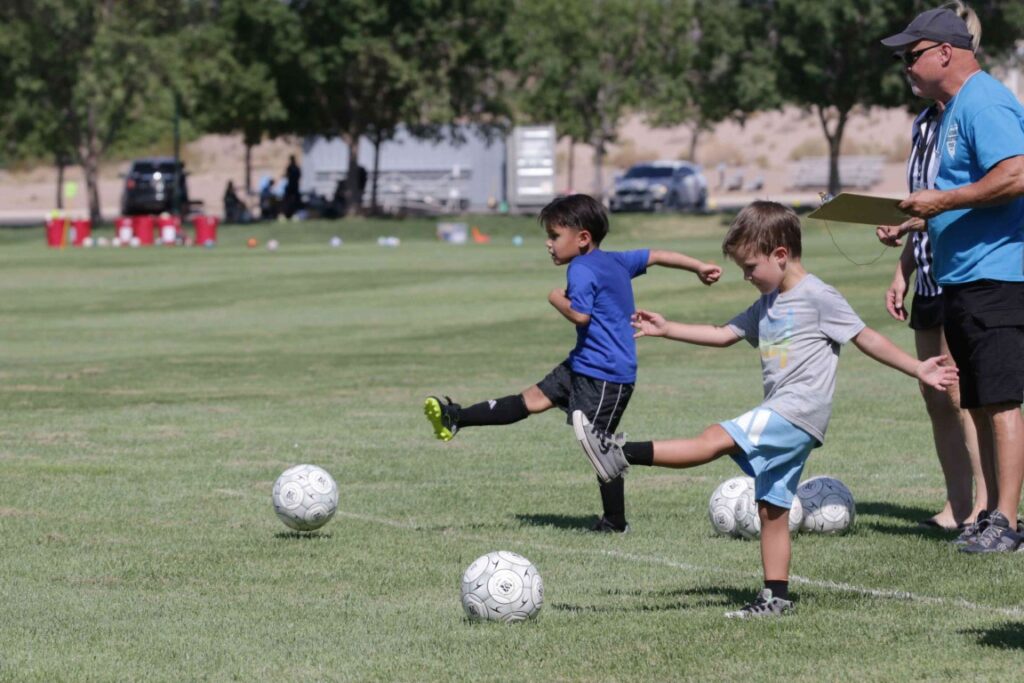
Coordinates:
150	397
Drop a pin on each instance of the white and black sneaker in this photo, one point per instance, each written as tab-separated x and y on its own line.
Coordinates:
764	605
603	449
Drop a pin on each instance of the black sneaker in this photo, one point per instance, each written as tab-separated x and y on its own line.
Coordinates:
606	526
603	449
764	605
979	524
996	538
443	417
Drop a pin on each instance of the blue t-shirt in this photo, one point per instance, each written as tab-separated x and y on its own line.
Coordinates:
599	284
983	125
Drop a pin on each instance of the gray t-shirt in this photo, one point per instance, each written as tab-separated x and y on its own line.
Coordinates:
799	333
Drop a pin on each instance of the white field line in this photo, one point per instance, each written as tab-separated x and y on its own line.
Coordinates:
881	593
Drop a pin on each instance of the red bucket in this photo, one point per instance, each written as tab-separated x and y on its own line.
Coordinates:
124	229
80	229
144	229
55	232
170	228
206	230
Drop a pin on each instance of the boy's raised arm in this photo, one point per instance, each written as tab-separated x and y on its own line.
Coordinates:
931	372
707	272
650	324
563	305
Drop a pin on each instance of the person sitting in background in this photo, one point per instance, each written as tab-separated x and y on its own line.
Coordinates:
235	210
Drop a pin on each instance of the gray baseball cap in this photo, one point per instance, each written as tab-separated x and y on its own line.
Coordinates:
940	25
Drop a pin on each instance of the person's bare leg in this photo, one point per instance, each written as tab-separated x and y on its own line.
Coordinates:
951	444
987	456
776	548
1008	435
713	443
536	401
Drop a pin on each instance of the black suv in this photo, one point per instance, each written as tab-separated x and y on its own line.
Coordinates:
148	186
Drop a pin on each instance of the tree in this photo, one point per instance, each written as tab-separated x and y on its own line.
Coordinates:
366	65
82	70
716	64
830	59
580	63
245	50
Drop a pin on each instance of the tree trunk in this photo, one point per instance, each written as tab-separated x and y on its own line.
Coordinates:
354	201
376	170
572	164
60	183
248	168
599	153
835	141
694	139
91	168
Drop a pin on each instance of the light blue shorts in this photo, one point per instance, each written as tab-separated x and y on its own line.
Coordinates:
774	453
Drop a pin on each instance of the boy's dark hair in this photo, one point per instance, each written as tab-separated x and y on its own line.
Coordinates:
762	227
578	212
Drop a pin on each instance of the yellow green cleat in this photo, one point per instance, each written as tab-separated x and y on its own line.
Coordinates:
442	417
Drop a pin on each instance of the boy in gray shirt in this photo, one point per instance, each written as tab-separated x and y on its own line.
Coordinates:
798	324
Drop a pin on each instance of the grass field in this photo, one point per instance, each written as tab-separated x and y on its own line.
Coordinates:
150	397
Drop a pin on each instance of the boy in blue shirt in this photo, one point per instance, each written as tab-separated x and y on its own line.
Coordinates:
798	324
598	376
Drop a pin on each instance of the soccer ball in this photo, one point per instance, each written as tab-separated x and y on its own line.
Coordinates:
828	505
501	586
305	497
272	245
733	510
748	523
722	506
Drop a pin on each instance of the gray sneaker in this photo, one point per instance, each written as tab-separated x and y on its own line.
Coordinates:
764	605
996	538
603	449
973	529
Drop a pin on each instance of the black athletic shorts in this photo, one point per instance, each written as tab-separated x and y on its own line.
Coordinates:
984	325
602	402
925	312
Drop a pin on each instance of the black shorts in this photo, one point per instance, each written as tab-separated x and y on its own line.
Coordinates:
984	325
602	402
925	312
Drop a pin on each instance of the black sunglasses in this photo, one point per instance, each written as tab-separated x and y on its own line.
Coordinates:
908	58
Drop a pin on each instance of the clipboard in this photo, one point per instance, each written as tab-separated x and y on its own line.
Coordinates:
847	207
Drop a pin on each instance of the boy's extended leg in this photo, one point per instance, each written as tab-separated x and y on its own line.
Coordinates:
447	418
611	455
776	549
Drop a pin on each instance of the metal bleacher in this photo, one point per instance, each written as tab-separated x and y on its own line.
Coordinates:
854	171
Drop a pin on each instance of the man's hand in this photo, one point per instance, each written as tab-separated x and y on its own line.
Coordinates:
709	273
936	375
648	324
890	235
925	204
895	296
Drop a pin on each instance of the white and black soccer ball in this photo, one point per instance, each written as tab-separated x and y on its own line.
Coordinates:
828	505
502	586
722	506
305	497
733	510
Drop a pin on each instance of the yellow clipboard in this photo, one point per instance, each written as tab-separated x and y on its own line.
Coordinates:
847	207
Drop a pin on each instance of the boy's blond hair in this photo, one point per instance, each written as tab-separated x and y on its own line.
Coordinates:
762	227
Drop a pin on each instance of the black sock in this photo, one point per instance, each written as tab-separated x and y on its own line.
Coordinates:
639	452
613	499
779	589
499	411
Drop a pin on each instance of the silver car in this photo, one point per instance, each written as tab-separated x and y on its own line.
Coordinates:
660	186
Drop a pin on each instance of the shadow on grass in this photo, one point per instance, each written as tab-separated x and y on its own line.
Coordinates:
302	536
575	522
665	600
1008	636
911	516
